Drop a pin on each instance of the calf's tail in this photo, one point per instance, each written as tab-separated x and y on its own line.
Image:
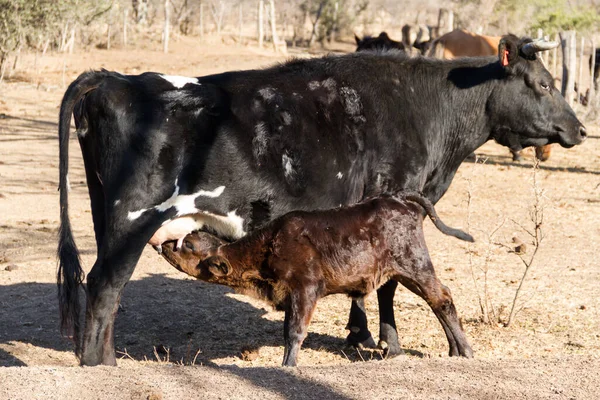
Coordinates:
69	274
428	207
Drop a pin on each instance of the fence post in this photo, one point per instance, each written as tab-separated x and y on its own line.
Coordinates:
568	44
592	99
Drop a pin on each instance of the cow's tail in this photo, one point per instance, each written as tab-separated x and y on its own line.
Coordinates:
70	275
428	207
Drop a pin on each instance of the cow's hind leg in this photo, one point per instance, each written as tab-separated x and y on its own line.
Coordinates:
359	335
388	335
116	262
425	284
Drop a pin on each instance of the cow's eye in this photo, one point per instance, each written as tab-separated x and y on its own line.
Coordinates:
545	86
189	245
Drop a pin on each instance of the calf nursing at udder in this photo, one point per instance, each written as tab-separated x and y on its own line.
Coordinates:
302	256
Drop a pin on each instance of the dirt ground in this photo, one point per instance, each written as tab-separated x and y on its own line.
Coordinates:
178	337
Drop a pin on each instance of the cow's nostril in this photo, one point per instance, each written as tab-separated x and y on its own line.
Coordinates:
583	132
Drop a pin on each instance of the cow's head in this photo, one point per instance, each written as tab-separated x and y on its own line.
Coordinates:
195	248
379	43
526	109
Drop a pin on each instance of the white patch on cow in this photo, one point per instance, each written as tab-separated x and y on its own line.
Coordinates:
287	118
267	93
184	204
179	81
230	225
117	202
68	183
81	132
167	119
133	215
340	175
288	168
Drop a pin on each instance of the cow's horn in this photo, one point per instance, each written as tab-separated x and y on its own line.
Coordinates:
538	45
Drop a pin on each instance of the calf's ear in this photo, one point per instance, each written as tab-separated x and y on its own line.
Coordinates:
218	266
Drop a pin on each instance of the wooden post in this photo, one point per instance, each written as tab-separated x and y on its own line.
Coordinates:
261	33
555	58
580	76
593	78
568	43
125	15
166	28
445	21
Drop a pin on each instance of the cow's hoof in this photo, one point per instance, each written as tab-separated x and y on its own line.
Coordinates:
389	351
359	341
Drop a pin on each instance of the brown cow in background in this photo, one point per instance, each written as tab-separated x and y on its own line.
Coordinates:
462	43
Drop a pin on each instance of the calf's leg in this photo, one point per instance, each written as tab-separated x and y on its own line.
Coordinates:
425	284
297	317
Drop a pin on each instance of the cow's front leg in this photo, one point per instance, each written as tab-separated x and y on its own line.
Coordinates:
388	335
359	335
297	317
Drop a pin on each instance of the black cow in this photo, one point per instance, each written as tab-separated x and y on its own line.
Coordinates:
379	43
237	149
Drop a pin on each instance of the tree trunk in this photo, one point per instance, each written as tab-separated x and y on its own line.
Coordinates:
166	28
201	20
273	26
445	21
125	15
568	43
260	26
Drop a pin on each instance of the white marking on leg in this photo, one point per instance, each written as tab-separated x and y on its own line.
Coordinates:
68	183
179	81
117	202
340	175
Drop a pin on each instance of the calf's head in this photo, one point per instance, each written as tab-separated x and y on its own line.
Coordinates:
196	247
525	108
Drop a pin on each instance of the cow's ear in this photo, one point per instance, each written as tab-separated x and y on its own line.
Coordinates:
508	50
357	39
218	266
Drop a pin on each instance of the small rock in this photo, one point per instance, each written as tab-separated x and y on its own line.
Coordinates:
582	307
11	267
249	353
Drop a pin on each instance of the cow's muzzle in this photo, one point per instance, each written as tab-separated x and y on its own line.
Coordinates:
569	141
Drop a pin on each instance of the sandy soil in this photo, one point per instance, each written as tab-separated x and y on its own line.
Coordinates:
178	337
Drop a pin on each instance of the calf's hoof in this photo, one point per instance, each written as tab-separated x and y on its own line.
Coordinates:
390	350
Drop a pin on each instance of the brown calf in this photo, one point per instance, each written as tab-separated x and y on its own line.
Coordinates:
303	256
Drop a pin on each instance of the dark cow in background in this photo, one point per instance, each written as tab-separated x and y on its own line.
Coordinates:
303	256
379	43
236	150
